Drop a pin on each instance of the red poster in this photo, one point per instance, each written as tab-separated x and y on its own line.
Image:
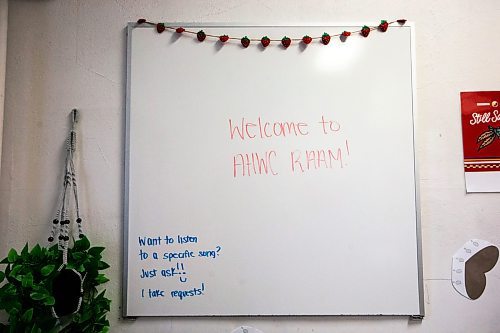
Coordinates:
481	140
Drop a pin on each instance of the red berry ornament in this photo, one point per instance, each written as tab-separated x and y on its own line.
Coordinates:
265	41
224	38
383	26
343	36
201	35
141	21
285	41
365	31
160	27
402	21
306	39
180	30
325	38
245	41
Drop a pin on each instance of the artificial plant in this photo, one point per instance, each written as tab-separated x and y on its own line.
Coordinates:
27	294
54	288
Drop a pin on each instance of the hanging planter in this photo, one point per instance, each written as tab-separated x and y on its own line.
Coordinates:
54	289
28	295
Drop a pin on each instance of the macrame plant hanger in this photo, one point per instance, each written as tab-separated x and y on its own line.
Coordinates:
67	286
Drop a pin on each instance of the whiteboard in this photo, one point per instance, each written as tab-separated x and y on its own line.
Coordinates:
271	181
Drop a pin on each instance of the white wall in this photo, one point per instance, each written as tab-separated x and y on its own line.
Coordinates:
4	5
67	53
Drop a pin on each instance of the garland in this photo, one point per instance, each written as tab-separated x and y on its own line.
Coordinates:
266	41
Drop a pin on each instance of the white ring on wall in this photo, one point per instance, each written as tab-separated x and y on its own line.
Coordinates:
246	329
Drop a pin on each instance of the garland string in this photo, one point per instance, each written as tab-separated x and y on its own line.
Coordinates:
285	41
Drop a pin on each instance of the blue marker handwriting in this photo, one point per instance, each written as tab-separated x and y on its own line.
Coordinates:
211	253
166	240
187	254
153	293
174	271
178	255
182	294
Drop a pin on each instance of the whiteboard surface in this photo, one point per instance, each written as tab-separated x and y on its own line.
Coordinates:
330	229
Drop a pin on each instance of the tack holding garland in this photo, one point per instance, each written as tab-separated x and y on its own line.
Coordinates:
53	289
266	41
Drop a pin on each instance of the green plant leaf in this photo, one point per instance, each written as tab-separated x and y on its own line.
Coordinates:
79	256
92	265
38	296
36	252
27	315
96	250
46	270
84	316
12	256
101	295
49	301
35	329
25	289
38	288
8	290
101	278
24	252
13	307
82	244
27	281
102	265
8	269
15	272
12	328
76	317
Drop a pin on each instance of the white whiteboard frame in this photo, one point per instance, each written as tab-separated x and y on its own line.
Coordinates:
418	231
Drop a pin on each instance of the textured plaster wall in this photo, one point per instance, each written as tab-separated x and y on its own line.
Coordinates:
67	53
4	4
